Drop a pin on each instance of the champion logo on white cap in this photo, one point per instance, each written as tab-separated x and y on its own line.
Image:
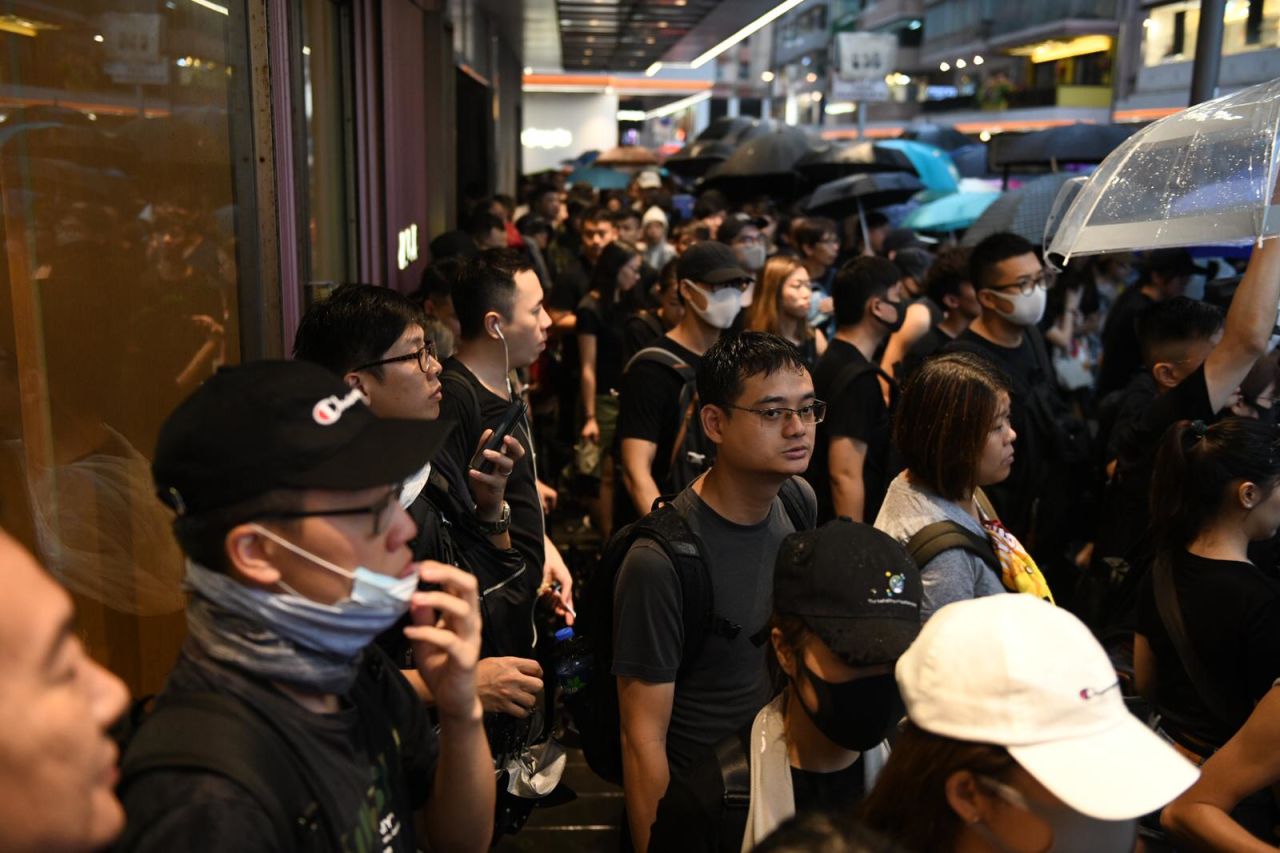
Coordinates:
329	410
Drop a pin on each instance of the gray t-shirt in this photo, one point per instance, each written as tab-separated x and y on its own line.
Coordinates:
721	691
954	575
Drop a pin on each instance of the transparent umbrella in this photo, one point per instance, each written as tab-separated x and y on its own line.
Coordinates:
1204	176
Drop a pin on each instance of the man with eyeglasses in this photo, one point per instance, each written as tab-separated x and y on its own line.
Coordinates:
661	446
1040	500
759	410
282	726
374	339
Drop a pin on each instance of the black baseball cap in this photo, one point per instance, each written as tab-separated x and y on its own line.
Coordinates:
265	425
711	262
733	225
853	586
903	238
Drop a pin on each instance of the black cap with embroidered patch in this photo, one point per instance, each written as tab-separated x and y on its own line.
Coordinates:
265	425
711	262
853	586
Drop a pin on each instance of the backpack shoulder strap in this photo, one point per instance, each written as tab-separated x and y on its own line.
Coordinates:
1171	616
664	357
933	539
802	512
735	772
850	373
458	383
217	734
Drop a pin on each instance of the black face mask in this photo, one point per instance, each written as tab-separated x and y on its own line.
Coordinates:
853	714
900	310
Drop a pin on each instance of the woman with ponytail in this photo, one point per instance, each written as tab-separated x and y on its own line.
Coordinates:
1207	644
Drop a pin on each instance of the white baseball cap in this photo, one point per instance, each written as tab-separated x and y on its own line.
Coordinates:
1018	672
649	180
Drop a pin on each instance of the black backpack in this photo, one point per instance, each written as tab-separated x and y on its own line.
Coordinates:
691	452
595	706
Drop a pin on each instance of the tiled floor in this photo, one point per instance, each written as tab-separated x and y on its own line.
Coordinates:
591	823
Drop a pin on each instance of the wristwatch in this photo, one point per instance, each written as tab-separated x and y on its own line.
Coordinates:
497	528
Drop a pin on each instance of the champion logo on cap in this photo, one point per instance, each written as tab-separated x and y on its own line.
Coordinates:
329	410
1089	693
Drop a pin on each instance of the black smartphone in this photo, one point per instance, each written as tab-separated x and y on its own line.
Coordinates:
500	432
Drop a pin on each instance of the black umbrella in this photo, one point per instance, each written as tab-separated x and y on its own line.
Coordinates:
858	193
943	136
837	161
1070	143
763	165
1024	211
714	145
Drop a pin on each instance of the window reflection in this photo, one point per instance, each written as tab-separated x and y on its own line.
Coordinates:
117	291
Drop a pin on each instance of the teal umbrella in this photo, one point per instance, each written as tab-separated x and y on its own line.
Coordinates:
954	212
600	178
936	169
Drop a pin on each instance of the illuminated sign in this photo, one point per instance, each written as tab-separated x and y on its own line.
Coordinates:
536	137
407	251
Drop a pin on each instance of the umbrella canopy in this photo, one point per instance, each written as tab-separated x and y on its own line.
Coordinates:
971	160
714	145
954	212
627	155
1203	176
935	168
857	193
942	136
764	164
1023	211
1070	143
600	178
931	165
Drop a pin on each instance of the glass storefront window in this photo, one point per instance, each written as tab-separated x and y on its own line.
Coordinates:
1169	31
118	291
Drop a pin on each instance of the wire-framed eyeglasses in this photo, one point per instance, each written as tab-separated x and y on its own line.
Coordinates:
811	414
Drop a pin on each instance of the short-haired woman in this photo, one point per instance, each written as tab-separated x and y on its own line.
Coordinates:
781	306
952	430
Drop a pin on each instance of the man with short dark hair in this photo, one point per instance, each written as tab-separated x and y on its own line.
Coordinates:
627	224
816	240
650	420
57	760
759	410
1164	274
946	284
435	296
741	233
851	461
503	328
285	487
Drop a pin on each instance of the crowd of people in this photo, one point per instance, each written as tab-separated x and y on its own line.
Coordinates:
890	545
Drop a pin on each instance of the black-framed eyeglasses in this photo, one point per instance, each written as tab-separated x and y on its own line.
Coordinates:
423	357
808	415
1028	283
377	511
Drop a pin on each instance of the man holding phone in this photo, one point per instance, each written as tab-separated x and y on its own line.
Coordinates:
498	300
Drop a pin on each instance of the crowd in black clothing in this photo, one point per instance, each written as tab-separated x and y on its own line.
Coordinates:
887	544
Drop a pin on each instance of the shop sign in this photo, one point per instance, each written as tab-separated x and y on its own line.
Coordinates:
407	248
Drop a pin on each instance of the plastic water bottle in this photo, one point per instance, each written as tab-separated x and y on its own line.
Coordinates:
572	661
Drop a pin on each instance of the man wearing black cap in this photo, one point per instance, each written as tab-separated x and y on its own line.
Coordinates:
650	417
1165	274
285	487
846	605
741	233
677	694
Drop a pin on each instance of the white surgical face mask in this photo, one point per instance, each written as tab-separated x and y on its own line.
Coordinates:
369	589
722	306
1028	308
752	258
1073	832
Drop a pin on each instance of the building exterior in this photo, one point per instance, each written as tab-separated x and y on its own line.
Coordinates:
177	179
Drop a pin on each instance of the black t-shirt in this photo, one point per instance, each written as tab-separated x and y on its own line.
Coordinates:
693	818
608	335
1121	352
649	403
1015	498
639	331
728	682
375	793
1231	612
856	411
522	488
1128	499
928	344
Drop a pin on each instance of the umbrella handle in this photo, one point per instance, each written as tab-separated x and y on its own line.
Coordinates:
862	223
